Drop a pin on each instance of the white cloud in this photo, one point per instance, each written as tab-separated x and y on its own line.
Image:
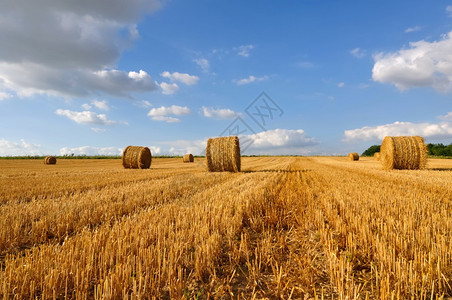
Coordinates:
169	88
219	113
449	10
358	52
166	119
250	79
21	148
102	105
163	113
280	141
204	64
173	109
427	130
155	150
244	50
181	77
143	103
273	142
98	130
413	29
340	84
86	106
90	151
447	117
423	64
85	117
4	96
181	147
70	49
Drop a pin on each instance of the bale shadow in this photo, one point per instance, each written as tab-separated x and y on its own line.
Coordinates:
440	169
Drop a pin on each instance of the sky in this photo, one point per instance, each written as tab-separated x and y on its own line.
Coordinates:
308	77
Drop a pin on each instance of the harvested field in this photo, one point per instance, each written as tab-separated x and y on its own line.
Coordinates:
284	227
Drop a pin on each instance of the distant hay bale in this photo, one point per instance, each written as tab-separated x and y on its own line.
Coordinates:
188	158
49	160
223	154
136	157
403	152
353	156
377	155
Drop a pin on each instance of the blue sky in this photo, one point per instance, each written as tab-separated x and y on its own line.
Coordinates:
91	77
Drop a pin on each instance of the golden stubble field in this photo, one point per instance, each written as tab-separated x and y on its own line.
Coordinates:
285	227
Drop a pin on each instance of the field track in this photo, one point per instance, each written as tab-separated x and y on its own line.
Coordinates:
285	227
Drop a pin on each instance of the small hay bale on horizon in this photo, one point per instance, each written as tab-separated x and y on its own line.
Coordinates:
49	160
403	152
136	157
377	155
223	154
353	156
188	158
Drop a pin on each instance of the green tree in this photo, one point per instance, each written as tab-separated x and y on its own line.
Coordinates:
371	150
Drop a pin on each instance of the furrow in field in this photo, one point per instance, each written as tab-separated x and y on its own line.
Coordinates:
383	236
52	220
158	251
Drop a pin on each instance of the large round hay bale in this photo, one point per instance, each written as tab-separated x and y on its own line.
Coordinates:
223	154
353	156
188	158
136	157
377	155
49	160
403	152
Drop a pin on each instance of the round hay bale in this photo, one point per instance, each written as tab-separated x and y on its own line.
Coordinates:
136	157
353	156
403	152
49	160
377	155
223	154
188	158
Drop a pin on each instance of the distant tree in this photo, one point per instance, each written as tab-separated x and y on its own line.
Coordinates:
439	149
371	150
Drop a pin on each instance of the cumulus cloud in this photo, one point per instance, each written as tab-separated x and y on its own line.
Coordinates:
244	50
4	96
447	117
181	77
155	149
181	147
427	130
70	49
340	84
250	79
19	148
413	29
273	142
219	113
358	52
164	113
203	63
422	64
85	117
91	151
102	105
169	88
281	141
